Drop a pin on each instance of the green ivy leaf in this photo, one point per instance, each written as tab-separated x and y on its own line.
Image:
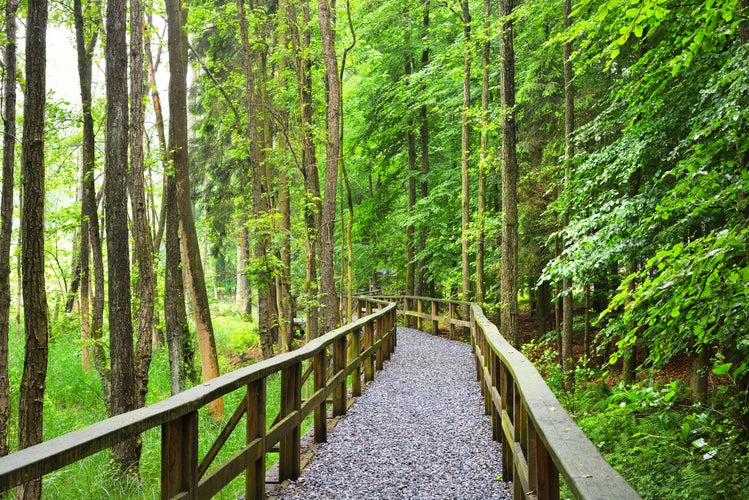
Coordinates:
722	369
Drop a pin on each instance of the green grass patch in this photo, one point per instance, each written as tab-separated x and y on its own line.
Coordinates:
73	400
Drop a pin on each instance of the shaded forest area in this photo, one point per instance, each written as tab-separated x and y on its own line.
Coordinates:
583	162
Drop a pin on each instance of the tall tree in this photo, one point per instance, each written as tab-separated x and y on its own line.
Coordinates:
483	155
87	26
122	372
569	152
465	190
143	242
257	144
412	174
419	288
36	322
312	203
509	271
176	17
333	151
6	212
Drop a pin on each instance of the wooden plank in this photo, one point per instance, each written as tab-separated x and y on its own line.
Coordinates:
226	472
321	410
520	482
256	415
355	352
179	456
339	387
222	437
291	402
544	478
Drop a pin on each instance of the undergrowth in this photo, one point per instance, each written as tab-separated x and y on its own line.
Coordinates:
73	400
665	446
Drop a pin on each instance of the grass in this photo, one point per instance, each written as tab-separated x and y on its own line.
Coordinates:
73	400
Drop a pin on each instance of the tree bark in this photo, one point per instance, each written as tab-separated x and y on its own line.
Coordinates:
6	213
91	245
142	239
465	190
242	294
126	454
176	17
36	323
569	152
508	279
333	151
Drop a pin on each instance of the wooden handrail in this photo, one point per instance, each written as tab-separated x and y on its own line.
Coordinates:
177	416
540	441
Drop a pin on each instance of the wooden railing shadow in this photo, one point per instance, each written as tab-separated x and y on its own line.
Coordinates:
540	441
331	361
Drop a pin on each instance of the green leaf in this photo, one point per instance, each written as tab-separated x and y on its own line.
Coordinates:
722	369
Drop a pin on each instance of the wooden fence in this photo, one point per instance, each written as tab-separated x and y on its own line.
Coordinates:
368	341
540	442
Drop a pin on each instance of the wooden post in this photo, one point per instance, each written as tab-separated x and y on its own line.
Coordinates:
339	364
506	385
179	457
321	411
496	414
291	401
419	321
452	325
255	480
379	327
368	341
435	323
355	352
544	478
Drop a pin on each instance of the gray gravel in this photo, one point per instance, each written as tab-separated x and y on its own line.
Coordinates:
417	432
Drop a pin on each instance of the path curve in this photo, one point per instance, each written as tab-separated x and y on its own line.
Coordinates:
417	432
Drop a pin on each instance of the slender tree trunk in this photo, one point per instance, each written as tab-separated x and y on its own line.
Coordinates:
243	284
36	325
6	213
161	133
260	192
126	454
465	198
509	270
333	151
698	379
411	148
419	288
175	315
312	202
141	228
91	321
484	156
176	17
569	152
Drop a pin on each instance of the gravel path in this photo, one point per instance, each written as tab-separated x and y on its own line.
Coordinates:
417	432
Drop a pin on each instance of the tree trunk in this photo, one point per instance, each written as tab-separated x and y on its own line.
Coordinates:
419	287
699	374
260	182
509	270
484	156
126	454
6	213
241	294
36	326
312	202
91	245
333	150
141	228
465	198
176	17
569	152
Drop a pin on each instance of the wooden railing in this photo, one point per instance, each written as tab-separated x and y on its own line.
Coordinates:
539	440
371	339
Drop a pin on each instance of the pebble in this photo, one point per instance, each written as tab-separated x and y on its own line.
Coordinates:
417	432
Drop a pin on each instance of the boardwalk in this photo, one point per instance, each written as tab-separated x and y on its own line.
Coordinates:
418	432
